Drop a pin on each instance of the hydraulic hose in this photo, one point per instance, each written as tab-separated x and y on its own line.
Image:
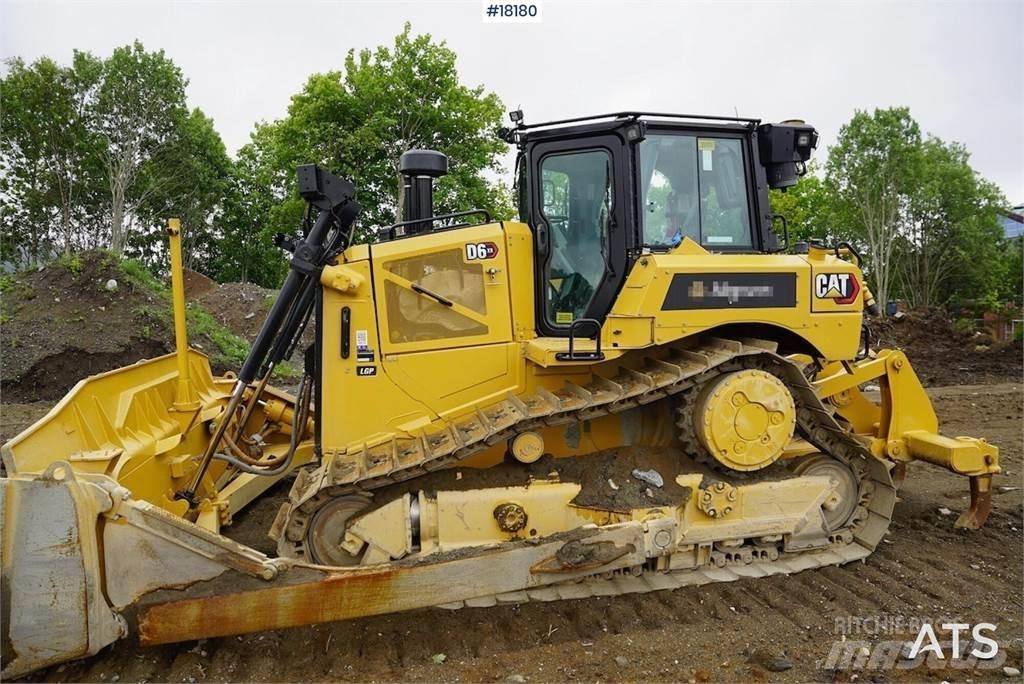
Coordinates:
271	468
335	198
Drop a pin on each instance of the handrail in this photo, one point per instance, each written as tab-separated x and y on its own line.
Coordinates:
430	219
636	115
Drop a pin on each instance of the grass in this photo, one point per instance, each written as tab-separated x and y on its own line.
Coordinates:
964	325
230	349
287	371
142	277
233	348
72	262
14	290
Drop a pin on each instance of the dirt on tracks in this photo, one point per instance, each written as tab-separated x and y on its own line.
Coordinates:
924	570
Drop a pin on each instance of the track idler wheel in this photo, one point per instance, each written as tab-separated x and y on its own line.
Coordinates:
325	537
842	502
745	419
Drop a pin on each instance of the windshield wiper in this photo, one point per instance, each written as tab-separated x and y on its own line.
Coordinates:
433	295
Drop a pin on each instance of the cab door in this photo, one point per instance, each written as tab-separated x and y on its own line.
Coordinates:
578	210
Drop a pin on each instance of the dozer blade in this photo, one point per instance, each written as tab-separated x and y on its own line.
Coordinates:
78	549
53	607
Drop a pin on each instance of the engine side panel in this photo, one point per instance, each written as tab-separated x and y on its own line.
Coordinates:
434	324
689	291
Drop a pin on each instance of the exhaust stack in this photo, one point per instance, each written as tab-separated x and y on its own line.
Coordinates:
419	168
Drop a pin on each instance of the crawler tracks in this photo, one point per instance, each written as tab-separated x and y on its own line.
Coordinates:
639	381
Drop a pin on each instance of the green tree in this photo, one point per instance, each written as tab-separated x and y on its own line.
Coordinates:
244	249
48	152
952	241
139	109
1011	285
100	153
357	122
872	170
807	208
189	180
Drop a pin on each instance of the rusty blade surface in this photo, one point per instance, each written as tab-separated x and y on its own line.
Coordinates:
368	591
981	504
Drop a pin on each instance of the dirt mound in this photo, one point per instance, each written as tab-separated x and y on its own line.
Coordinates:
89	313
242	308
943	355
196	283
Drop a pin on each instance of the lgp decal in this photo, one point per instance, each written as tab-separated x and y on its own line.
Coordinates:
841	287
366	371
481	250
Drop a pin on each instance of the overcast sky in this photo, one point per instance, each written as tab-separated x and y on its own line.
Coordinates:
958	65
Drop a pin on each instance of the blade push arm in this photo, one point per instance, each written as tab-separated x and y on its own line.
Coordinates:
335	199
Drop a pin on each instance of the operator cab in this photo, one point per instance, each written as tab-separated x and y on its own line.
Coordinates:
600	191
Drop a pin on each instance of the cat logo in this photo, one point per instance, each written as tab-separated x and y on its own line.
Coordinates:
481	250
841	287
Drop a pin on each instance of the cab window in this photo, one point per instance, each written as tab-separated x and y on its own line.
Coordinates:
695	187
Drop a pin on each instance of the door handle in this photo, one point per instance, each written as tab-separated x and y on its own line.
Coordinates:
541	235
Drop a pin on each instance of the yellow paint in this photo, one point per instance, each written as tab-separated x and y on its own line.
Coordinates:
833	334
442	336
123	423
185	399
745	419
528	447
903	425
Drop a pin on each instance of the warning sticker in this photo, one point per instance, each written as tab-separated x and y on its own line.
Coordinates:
706	148
563	317
362	340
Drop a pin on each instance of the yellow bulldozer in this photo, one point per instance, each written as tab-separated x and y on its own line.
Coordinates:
640	385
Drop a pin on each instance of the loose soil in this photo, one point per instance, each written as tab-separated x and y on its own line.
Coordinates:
942	355
62	323
924	570
242	308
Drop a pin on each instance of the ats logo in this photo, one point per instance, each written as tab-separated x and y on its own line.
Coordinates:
842	287
481	250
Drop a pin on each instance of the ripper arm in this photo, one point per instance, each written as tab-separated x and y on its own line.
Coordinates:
903	427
